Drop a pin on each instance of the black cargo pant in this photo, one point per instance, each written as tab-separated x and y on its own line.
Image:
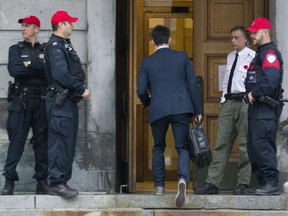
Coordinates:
261	142
62	135
19	121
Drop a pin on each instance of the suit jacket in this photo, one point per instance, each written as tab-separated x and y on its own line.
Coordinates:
167	84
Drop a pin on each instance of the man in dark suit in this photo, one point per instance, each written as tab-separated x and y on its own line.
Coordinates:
167	86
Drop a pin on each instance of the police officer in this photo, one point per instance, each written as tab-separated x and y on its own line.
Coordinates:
66	88
263	79
27	108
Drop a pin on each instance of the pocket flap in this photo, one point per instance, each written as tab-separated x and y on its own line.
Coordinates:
268	115
15	107
62	113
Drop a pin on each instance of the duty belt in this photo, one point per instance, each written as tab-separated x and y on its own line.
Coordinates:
235	96
62	94
18	90
24	91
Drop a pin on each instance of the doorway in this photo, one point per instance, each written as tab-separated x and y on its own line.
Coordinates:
179	20
201	28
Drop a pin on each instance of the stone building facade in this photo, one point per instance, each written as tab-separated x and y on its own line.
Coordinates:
95	165
94	40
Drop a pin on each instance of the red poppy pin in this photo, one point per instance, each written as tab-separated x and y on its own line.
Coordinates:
245	67
252	67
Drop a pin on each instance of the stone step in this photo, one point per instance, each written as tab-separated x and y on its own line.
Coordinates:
143	204
138	212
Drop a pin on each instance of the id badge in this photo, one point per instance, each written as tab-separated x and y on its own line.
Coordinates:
251	77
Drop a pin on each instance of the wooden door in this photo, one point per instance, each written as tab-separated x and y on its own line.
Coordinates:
179	19
213	20
207	43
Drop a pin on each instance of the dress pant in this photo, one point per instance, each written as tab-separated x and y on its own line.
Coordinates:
232	123
180	129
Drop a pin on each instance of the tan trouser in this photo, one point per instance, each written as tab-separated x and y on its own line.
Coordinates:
232	123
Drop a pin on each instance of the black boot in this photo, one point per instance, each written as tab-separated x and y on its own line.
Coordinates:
42	187
63	190
8	188
269	189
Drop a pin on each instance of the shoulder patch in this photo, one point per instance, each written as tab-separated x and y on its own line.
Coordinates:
271	58
54	43
57	54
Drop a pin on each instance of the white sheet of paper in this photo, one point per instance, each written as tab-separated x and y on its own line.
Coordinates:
221	74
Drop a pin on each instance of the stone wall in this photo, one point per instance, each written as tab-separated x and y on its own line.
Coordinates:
95	160
281	31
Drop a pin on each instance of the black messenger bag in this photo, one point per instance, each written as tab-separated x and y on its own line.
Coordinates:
199	148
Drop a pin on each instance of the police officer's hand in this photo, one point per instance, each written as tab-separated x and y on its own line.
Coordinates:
250	98
86	94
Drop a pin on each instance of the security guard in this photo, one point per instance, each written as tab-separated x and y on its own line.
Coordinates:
27	108
66	88
232	121
263	81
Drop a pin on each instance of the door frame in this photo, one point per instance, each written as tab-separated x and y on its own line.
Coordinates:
136	21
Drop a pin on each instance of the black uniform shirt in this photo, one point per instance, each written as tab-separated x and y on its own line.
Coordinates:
33	56
268	66
63	65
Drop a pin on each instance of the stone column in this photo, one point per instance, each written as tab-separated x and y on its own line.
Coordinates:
101	120
281	31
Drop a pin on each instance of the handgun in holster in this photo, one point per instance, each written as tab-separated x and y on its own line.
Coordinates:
269	101
11	89
23	96
61	94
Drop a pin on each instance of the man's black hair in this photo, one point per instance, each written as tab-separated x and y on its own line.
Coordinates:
244	32
160	35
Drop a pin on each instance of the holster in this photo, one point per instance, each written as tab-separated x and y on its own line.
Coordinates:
73	96
61	96
269	101
11	87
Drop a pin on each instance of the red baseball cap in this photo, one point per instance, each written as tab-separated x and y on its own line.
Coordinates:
259	23
30	20
61	16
